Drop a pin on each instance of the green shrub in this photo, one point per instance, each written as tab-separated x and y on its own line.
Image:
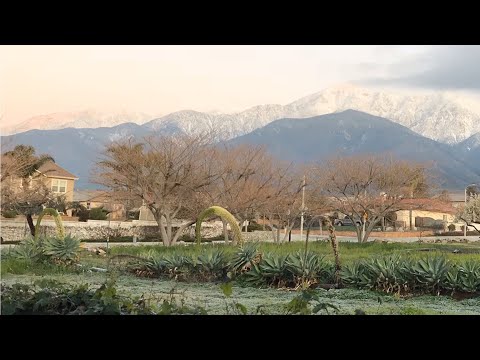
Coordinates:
29	250
304	267
48	297
271	270
431	272
98	214
9	214
62	250
83	215
253	226
211	264
245	256
451	227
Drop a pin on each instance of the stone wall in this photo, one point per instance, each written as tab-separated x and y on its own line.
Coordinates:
99	229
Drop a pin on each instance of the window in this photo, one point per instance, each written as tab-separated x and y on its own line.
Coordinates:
88	205
59	186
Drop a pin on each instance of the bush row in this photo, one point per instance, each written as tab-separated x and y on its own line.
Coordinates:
434	274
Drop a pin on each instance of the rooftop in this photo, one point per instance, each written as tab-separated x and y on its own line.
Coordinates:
51	169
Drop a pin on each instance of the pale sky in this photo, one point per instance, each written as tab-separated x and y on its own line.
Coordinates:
38	80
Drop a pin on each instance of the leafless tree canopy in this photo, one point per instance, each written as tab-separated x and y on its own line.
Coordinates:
168	173
470	213
369	187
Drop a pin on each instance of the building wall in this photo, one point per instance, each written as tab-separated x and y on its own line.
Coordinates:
146	214
404	215
70	186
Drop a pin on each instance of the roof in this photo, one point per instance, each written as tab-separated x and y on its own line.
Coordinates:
53	170
90	195
458	196
433	205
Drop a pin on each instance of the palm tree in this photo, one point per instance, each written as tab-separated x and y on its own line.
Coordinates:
26	164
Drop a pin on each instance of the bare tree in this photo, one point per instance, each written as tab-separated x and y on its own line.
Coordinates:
284	205
170	174
367	188
245	175
470	213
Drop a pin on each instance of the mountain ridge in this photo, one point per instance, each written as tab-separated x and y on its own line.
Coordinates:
444	117
346	132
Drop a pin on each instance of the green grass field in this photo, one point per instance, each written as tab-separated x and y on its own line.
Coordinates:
272	301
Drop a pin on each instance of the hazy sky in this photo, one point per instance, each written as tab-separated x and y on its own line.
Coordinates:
37	80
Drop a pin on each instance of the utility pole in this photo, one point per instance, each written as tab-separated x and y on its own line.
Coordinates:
303	207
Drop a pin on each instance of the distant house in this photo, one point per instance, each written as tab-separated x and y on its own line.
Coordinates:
99	198
426	213
58	180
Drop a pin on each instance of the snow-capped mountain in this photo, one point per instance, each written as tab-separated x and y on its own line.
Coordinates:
227	126
472	143
444	117
79	119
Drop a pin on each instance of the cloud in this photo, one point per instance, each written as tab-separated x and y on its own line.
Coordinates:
439	67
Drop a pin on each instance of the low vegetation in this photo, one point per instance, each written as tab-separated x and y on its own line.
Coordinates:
399	270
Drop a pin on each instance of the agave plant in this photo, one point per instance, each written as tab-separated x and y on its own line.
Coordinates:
254	277
271	270
306	266
406	275
177	264
384	273
28	249
244	257
452	279
469	276
156	265
212	262
431	272
354	274
62	250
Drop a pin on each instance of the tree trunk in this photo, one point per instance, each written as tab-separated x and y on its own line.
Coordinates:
180	230
225	231
334	242
163	232
368	231
168	221
363	230
288	230
359	233
278	235
30	224
274	235
383	223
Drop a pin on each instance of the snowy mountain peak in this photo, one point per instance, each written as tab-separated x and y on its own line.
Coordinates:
443	116
80	119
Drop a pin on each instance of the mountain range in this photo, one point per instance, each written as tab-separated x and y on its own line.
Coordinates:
442	116
353	132
301	140
441	128
76	119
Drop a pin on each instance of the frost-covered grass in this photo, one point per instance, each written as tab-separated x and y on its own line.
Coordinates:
271	301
